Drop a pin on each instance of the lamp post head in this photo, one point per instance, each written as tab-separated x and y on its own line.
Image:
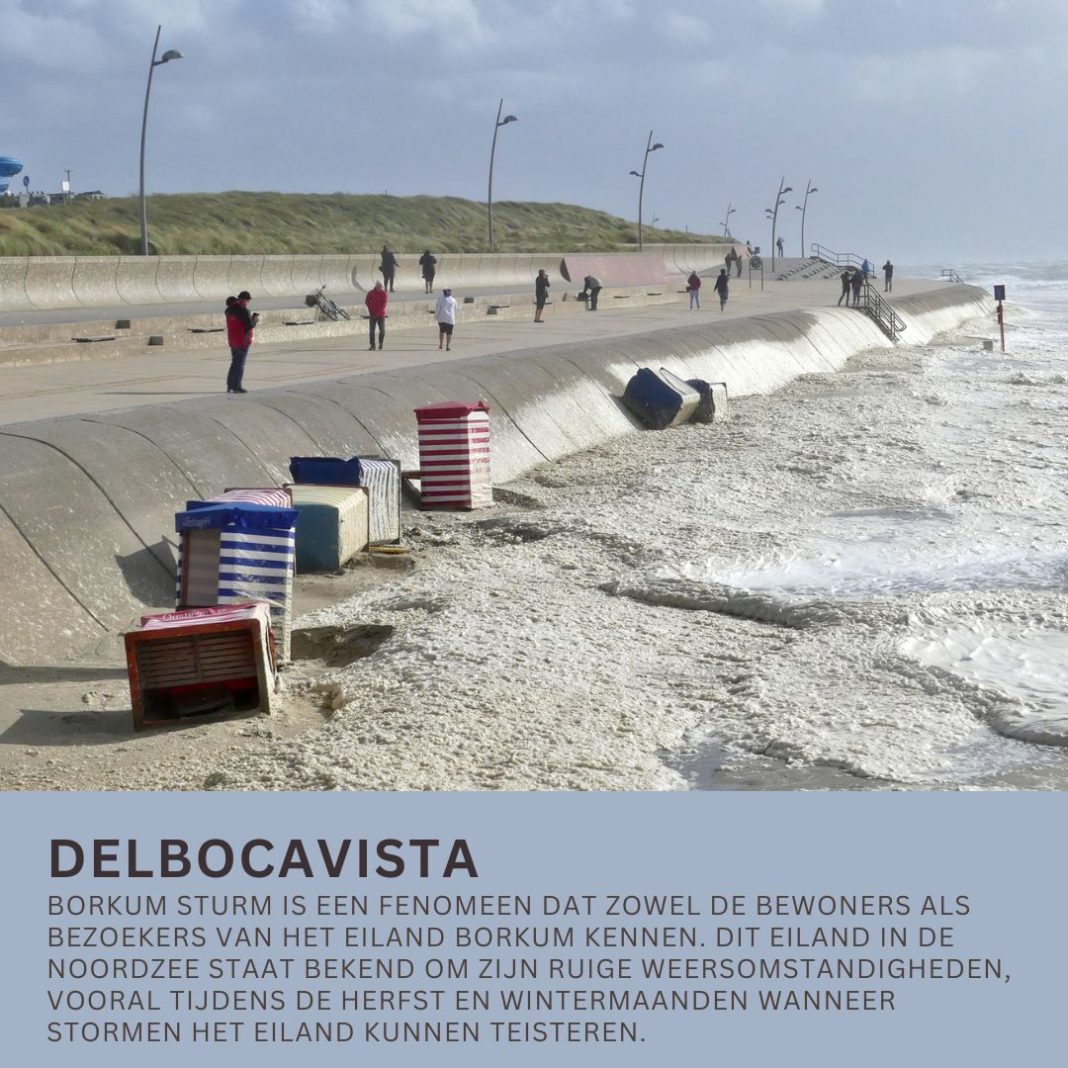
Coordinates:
656	146
507	119
814	189
788	189
637	174
171	53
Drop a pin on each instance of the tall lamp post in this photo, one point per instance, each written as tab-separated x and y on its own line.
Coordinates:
773	214
165	58
493	149
649	147
803	207
727	220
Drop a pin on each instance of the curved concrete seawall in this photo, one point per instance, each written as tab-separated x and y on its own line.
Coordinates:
87	503
53	282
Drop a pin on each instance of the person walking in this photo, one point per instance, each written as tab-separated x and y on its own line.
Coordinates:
722	284
592	287
376	301
426	265
541	294
888	277
445	313
737	263
847	278
857	283
388	268
693	287
240	324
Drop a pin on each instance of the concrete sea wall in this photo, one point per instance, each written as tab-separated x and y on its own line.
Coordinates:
48	282
87	503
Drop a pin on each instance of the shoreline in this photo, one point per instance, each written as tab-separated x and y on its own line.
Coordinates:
159	756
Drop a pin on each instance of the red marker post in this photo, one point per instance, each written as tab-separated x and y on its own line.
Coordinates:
999	296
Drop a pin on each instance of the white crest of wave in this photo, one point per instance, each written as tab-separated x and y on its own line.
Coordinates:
874	569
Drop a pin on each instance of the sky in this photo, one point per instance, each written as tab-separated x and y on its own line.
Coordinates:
933	130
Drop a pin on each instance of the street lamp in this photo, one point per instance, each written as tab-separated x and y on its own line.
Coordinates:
809	188
727	220
165	58
649	147
489	199
773	214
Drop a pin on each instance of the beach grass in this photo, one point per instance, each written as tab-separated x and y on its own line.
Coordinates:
297	223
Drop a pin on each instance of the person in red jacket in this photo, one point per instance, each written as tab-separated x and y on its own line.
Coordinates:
376	302
240	323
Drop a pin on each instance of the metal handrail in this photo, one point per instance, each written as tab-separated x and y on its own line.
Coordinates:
882	312
948	272
838	259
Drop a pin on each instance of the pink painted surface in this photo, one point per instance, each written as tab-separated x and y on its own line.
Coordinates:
619	268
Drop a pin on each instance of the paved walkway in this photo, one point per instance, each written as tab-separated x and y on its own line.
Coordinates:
95	385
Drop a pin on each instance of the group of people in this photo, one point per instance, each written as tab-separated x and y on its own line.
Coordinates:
732	259
241	323
721	286
854	278
377	301
388	269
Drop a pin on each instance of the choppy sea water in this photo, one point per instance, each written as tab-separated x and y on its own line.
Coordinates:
949	572
857	582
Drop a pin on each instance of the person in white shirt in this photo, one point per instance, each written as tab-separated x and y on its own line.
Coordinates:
445	313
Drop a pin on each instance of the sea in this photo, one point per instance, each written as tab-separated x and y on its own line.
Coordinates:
857	582
948	579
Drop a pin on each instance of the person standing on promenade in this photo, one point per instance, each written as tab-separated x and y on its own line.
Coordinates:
240	324
376	301
426	264
592	287
888	277
445	313
541	294
737	263
693	287
388	268
866	269
722	283
782	245
847	278
857	283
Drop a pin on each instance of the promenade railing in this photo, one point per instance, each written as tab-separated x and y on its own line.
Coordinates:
882	312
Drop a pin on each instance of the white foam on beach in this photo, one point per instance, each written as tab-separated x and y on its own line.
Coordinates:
1028	664
865	572
860	571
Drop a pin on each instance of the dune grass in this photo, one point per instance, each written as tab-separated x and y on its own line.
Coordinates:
279	223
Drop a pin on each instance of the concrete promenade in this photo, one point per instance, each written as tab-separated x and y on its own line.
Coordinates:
167	375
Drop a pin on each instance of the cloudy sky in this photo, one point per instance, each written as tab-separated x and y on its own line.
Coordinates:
933	129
